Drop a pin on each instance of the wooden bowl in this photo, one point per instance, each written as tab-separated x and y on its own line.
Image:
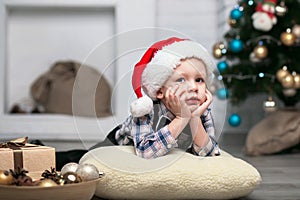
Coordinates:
80	191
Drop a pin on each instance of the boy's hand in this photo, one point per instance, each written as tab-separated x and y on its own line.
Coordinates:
201	109
175	102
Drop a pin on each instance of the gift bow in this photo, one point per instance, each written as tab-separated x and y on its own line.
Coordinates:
15	144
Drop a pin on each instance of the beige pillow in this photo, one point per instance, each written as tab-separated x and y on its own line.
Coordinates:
278	131
178	175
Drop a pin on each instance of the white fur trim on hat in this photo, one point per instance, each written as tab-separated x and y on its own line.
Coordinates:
162	65
141	106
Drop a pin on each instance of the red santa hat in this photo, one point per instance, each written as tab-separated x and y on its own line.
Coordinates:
157	65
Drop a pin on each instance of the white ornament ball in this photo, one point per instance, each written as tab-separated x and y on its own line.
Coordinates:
87	172
69	167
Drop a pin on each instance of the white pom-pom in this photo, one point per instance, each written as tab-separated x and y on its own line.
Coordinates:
141	106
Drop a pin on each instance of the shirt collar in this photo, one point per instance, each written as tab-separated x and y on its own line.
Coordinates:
163	111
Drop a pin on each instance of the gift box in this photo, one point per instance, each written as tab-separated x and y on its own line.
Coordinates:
33	158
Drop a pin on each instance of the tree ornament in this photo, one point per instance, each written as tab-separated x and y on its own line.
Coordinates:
6	178
53	175
71	177
21	178
234	120
296	32
296	80
253	58
288	38
289	92
222	93
236	13
281	9
47	183
260	51
236	45
232	22
264	17
222	66
219	50
282	73
87	172
288	81
270	105
69	167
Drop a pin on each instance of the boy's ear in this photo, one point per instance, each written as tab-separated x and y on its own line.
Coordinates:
159	94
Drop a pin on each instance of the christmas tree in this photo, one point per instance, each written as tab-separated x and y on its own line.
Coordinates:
260	52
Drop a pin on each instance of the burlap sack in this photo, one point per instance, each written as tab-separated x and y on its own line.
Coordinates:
58	92
278	131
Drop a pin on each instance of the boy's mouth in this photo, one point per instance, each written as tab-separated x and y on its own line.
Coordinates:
193	101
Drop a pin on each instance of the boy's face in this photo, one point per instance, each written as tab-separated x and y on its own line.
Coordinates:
190	76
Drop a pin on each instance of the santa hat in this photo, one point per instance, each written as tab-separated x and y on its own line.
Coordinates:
157	65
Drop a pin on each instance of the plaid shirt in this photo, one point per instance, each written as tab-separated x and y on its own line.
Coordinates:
151	144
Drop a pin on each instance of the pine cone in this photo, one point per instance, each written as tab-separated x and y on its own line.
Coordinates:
20	177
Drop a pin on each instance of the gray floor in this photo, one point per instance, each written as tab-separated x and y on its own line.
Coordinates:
280	173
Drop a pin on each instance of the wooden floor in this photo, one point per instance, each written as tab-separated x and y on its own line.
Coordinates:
280	173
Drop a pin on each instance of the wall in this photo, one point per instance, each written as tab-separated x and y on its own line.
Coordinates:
203	21
206	22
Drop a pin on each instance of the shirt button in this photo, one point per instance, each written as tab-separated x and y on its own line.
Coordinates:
169	146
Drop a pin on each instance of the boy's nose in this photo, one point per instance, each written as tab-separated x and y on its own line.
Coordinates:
192	86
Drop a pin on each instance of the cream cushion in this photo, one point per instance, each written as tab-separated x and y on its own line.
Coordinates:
178	175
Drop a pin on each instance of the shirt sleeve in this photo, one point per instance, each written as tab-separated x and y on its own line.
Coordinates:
212	147
150	144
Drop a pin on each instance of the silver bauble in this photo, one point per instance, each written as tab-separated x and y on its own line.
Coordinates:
290	92
69	167
87	172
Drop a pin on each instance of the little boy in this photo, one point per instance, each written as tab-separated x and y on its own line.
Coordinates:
173	73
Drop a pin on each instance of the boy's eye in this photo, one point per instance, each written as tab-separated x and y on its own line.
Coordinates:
180	80
199	80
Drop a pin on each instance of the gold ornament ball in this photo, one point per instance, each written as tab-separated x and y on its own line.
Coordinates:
232	22
288	81
297	81
282	73
217	53
6	178
218	50
260	51
288	38
47	183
